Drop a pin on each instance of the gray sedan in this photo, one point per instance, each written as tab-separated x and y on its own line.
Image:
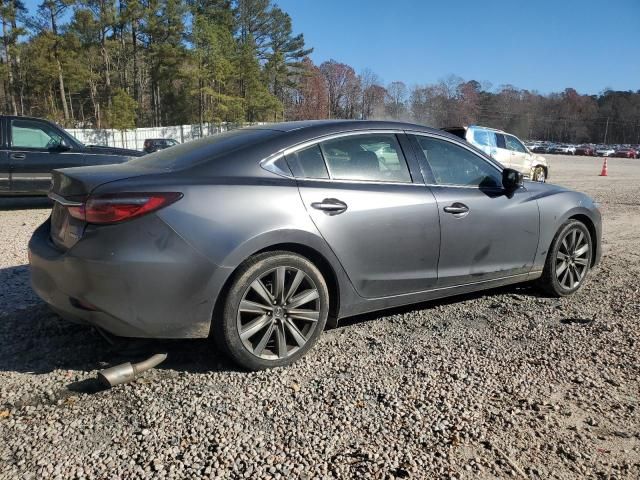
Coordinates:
262	237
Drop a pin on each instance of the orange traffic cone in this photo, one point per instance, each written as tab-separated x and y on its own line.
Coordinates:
604	171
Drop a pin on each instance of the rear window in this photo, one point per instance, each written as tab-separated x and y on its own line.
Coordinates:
191	153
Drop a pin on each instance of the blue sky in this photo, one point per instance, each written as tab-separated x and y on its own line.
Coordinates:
534	44
544	45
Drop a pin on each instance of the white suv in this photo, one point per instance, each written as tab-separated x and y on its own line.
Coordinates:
506	149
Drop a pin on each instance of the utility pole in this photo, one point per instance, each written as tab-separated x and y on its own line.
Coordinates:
606	131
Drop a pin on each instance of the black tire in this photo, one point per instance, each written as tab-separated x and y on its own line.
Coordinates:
556	284
227	329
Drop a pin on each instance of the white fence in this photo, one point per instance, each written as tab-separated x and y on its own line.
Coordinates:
134	139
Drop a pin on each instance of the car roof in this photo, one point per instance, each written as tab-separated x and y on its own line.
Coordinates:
312	126
300	131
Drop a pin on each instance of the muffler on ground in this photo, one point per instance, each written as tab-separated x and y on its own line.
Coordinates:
126	372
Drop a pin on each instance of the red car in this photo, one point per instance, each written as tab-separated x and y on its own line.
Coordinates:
587	150
626	153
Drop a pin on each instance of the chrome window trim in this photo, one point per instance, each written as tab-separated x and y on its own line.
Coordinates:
459	144
268	162
363	182
270	165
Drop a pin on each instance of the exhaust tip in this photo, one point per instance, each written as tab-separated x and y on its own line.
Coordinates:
117	375
126	372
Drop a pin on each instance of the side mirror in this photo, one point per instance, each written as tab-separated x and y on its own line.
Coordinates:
61	146
511	179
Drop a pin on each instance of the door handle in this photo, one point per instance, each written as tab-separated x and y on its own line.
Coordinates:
457	209
17	156
331	206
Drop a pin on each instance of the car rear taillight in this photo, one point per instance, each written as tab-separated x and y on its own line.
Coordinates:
114	208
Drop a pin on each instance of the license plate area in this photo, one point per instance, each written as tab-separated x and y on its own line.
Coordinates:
65	230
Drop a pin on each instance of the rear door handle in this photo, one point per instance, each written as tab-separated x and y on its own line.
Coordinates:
17	156
331	206
457	209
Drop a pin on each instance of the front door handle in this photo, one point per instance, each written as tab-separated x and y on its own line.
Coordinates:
457	209
17	156
331	206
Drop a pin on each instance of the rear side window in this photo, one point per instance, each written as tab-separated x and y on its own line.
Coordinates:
454	165
481	137
369	157
500	142
308	163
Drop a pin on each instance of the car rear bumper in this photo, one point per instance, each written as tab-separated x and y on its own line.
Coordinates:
136	279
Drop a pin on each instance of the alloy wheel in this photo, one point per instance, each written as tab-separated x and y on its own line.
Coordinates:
572	259
278	313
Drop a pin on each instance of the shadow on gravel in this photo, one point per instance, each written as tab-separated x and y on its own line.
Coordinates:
24	203
35	340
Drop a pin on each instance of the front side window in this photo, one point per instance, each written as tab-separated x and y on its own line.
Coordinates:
33	134
514	144
454	165
370	157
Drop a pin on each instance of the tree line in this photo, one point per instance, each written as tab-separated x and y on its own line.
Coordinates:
126	63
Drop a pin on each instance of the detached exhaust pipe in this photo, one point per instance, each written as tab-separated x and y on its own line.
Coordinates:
125	372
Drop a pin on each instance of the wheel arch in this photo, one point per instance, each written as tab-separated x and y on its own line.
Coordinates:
314	255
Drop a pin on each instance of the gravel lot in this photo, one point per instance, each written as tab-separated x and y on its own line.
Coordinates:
507	383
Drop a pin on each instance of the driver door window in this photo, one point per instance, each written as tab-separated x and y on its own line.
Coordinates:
518	153
29	134
454	165
514	144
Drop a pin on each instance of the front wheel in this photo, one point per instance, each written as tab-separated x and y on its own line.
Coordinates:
275	311
539	175
568	260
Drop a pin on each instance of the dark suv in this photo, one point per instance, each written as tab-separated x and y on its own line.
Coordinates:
154	144
30	148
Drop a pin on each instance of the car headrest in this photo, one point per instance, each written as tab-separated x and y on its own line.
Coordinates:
365	161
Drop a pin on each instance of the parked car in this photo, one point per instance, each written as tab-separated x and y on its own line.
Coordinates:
540	148
31	148
626	153
587	150
604	151
264	235
154	144
505	148
563	149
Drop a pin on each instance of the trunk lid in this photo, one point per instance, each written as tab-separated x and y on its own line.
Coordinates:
79	181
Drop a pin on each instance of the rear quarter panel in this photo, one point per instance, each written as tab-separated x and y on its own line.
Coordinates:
232	219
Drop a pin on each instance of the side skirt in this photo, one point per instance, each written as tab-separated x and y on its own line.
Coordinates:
375	304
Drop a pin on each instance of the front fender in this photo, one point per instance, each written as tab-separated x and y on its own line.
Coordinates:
555	210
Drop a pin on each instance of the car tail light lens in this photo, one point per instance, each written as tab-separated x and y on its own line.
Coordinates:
114	208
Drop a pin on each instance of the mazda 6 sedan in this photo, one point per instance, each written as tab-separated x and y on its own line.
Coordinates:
262	237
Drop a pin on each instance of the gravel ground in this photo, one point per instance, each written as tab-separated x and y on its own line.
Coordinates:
507	383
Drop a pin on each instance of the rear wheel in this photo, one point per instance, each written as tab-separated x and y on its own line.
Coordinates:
275	311
568	260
